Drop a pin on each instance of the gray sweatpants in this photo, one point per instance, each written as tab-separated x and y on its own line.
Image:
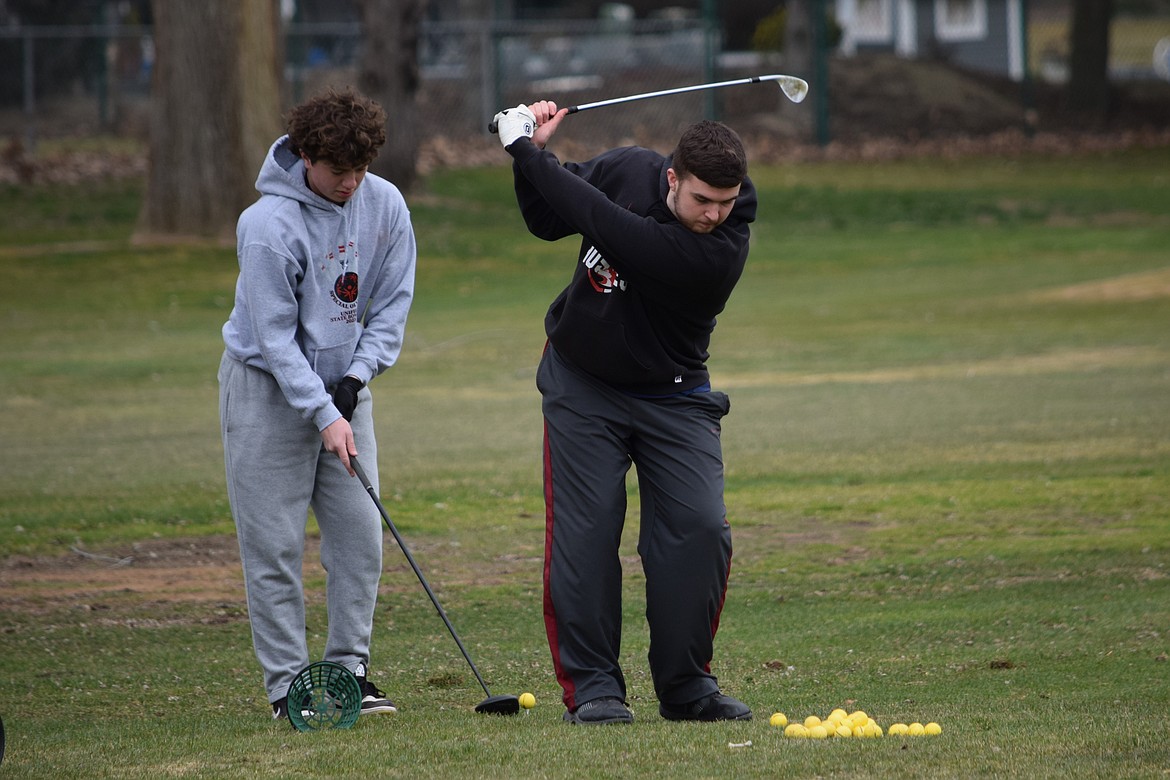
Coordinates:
276	470
592	435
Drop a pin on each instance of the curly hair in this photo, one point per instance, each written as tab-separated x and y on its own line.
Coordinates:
344	127
713	152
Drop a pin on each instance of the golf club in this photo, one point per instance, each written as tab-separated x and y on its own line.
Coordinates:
795	89
503	704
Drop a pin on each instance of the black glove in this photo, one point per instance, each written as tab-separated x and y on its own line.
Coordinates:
345	396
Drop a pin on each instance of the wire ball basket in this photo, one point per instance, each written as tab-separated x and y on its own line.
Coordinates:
324	695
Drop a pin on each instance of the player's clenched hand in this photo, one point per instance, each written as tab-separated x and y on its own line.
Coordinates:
548	119
337	437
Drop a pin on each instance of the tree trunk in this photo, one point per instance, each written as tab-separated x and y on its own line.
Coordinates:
215	109
1088	84
799	60
388	72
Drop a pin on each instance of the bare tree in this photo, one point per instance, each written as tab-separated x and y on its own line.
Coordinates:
800	56
215	101
388	72
1088	84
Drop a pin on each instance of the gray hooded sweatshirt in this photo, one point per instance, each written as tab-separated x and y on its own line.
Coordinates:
324	289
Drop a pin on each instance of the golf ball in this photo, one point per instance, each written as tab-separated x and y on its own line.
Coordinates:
527	701
932	728
778	719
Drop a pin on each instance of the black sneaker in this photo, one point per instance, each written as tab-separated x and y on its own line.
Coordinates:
715	706
280	708
607	709
280	712
374	700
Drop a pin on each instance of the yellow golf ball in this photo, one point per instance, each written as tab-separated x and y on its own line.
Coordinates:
795	730
778	719
843	731
932	729
811	720
898	729
527	701
818	732
916	729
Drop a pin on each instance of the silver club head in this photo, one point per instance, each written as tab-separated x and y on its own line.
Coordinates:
793	88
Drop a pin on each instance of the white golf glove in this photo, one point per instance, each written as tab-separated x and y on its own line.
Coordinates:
514	123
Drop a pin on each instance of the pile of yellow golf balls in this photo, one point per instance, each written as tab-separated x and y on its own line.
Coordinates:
840	723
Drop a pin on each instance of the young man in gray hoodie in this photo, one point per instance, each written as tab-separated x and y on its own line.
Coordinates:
327	260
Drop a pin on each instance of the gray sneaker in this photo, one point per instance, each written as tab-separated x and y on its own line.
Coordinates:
715	706
607	709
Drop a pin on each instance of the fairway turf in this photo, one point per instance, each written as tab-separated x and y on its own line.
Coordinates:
947	462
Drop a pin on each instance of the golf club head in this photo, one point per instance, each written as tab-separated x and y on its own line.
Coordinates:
793	88
503	704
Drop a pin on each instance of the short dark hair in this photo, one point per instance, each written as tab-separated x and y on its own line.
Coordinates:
713	152
341	126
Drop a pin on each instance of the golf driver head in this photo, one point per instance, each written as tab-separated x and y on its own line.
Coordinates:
503	704
324	695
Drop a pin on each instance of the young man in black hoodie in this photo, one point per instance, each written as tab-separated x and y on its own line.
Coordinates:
624	381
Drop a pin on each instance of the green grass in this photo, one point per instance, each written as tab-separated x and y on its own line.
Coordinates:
947	465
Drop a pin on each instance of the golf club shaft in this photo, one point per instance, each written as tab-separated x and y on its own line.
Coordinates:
675	91
417	571
794	88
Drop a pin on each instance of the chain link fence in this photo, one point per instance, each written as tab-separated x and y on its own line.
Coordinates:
88	80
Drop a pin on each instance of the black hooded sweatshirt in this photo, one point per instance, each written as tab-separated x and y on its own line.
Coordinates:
641	306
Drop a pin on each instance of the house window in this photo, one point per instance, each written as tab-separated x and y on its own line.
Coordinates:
960	20
872	21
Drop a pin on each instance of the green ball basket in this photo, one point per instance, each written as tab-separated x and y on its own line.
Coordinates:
324	695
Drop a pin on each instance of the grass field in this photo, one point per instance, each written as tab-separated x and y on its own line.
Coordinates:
947	476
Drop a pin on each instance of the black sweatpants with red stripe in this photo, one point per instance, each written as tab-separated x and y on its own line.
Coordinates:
593	433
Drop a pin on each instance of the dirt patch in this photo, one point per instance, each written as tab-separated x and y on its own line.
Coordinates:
1085	360
205	570
1147	286
881	107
